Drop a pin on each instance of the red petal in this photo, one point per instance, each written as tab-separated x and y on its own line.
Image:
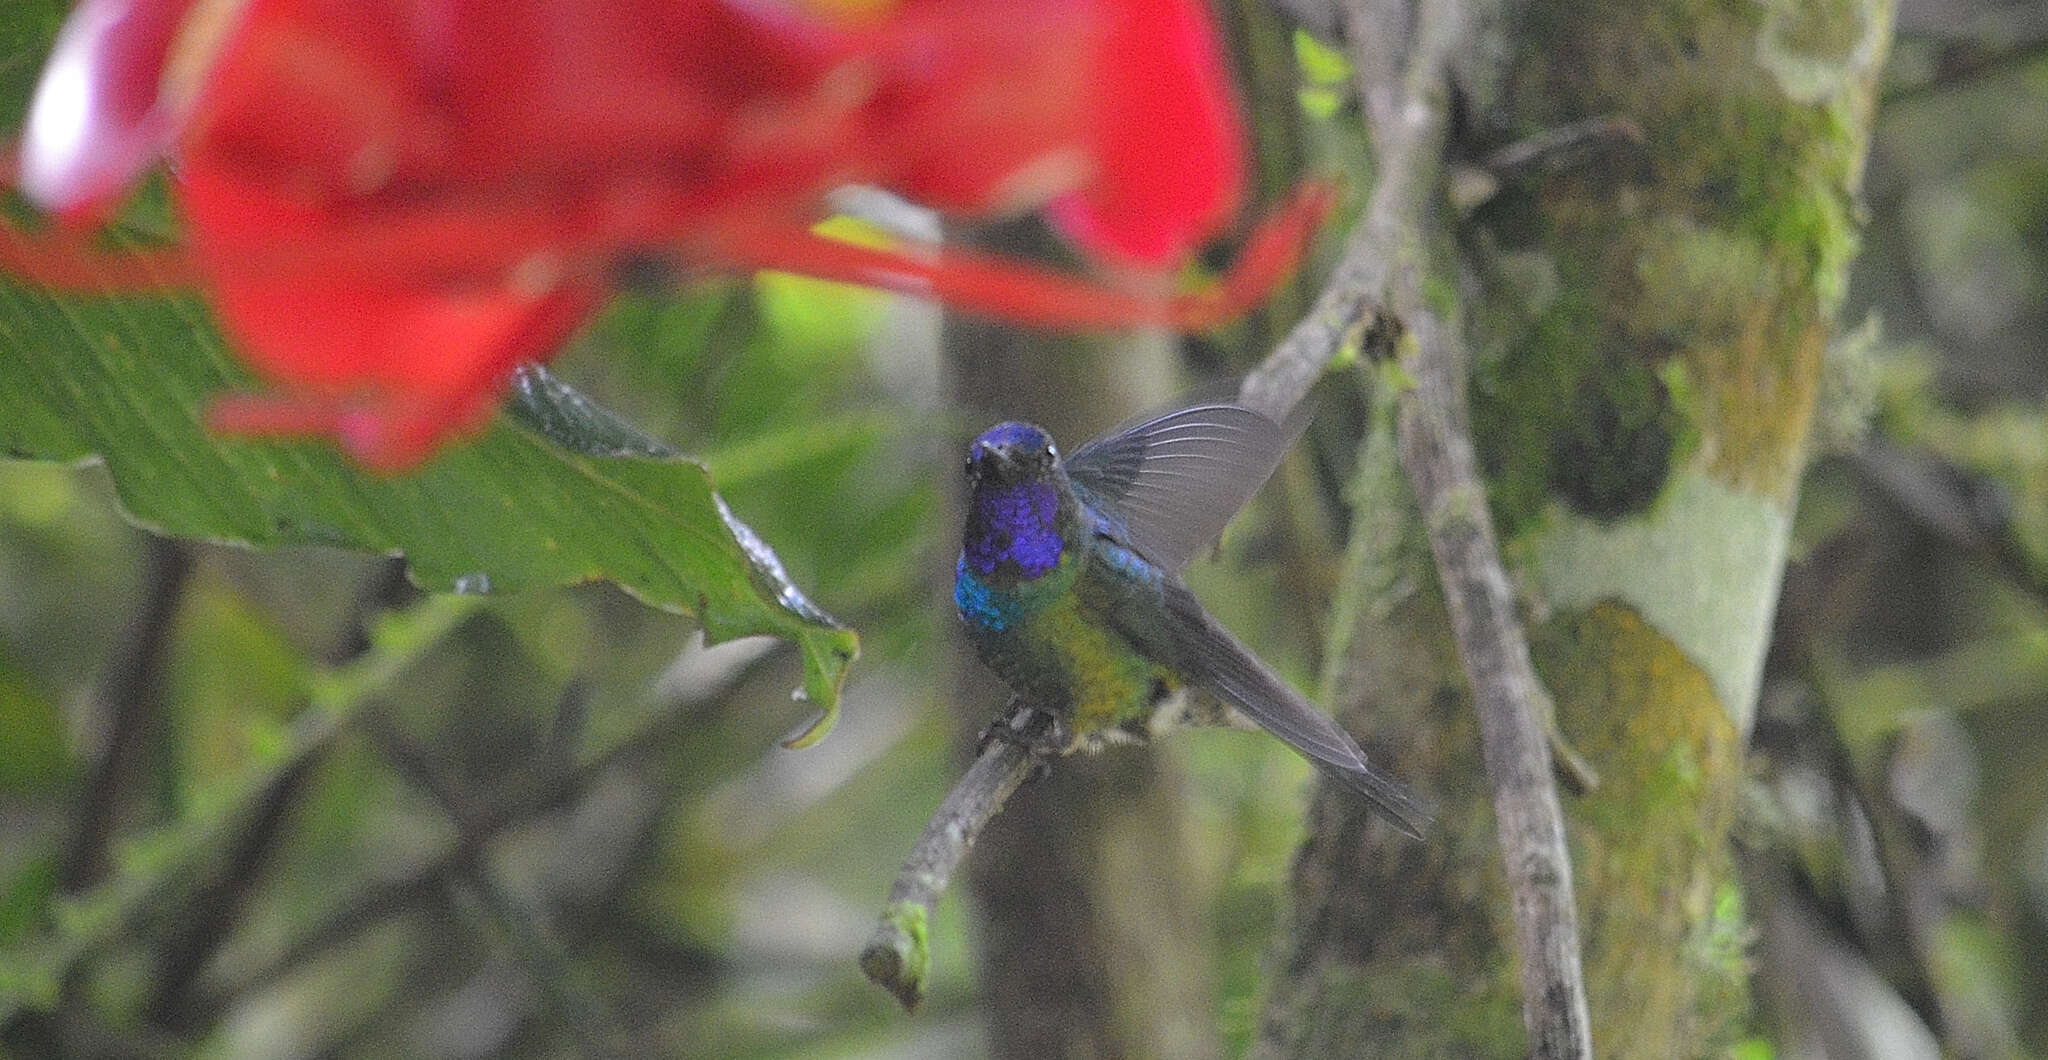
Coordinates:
383	436
360	177
98	119
65	260
983	105
1166	139
391	372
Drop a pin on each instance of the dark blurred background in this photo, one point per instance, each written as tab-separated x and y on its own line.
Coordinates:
564	827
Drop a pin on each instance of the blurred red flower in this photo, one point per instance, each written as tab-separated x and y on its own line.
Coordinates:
391	203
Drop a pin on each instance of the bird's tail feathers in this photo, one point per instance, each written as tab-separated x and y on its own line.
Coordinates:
1386	795
1215	659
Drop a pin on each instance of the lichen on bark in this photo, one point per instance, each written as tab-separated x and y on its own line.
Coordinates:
1650	319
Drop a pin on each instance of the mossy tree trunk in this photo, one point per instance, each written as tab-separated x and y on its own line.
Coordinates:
1649	321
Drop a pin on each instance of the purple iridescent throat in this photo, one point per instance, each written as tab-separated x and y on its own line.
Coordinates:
1014	523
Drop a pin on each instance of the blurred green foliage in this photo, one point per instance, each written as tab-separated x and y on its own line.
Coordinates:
1901	742
705	893
552	824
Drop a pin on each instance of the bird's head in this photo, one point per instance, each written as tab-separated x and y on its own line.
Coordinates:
1010	453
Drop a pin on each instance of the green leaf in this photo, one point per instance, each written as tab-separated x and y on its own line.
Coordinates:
235	681
32	731
26	896
559	492
1321	65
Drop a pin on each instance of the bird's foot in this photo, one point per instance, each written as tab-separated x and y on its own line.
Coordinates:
1039	733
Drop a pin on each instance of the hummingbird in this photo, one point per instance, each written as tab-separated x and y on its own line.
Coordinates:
1069	584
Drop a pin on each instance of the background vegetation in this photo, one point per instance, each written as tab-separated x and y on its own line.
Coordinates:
281	803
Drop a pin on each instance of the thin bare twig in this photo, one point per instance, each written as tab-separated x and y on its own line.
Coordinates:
1472	186
214	906
520	925
130	695
1967	55
1514	711
524	932
1964	509
378	901
1407	109
1436	452
898	955
1435	440
1407	104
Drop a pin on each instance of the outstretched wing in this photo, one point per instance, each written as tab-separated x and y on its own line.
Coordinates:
1169	484
1162	618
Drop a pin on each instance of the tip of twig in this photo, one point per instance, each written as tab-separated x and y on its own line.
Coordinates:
898	957
1573	766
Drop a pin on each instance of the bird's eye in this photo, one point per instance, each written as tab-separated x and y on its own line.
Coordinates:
1051	451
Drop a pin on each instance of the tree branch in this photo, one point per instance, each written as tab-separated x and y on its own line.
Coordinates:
130	696
898	955
1407	110
1436	452
213	907
380	900
1383	269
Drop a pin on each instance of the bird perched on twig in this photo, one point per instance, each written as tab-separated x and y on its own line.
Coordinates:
1069	582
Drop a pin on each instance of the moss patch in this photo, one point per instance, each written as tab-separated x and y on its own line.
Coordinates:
1653	842
1590	424
1722	239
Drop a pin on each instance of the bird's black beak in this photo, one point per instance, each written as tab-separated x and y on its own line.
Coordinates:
985	459
1001	456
